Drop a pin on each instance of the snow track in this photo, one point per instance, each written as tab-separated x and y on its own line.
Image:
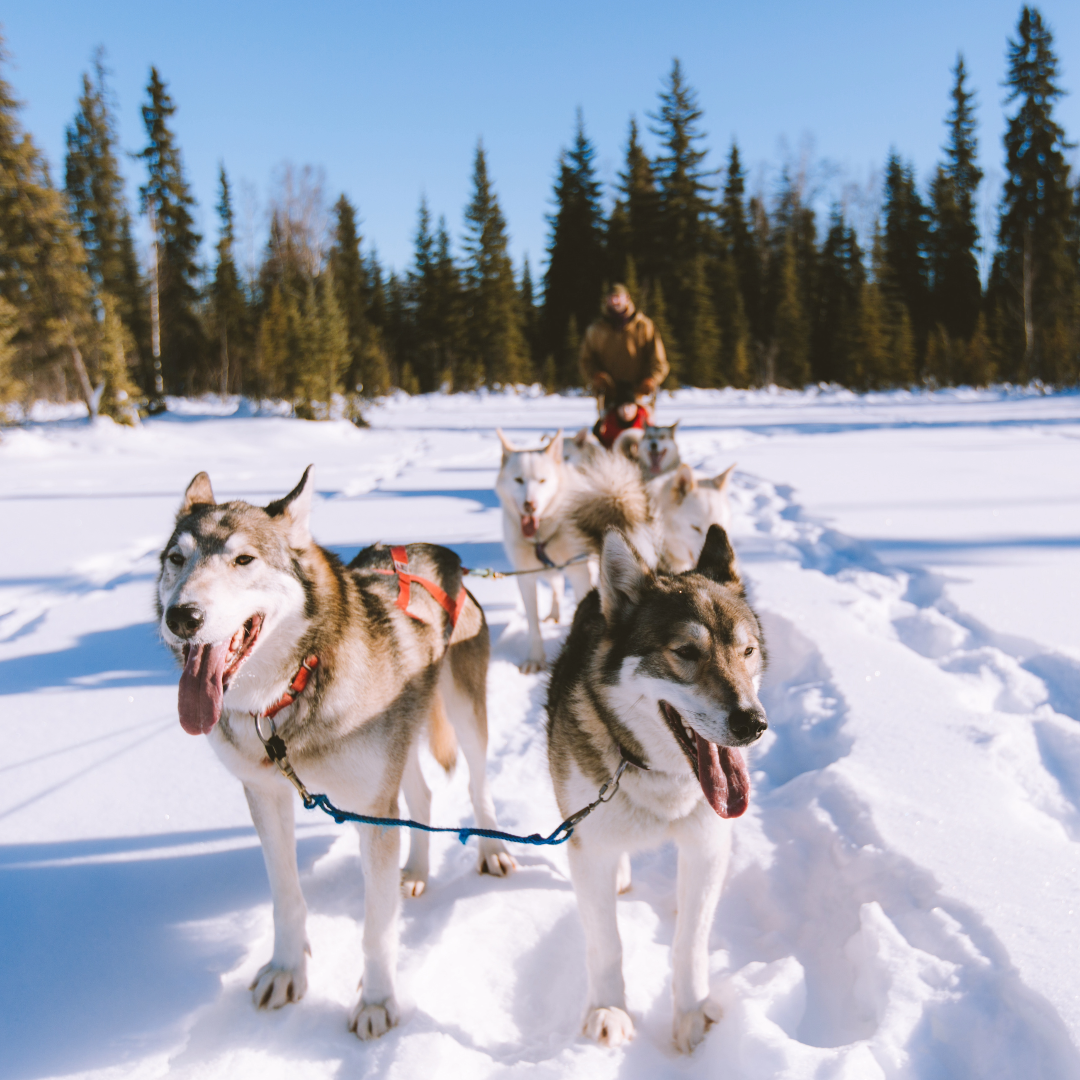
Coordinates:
903	898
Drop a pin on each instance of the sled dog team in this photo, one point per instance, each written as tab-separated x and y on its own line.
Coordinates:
352	667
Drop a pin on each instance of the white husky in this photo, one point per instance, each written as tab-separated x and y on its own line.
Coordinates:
684	506
556	515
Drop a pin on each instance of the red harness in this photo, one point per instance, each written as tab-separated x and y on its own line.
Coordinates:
296	688
452	608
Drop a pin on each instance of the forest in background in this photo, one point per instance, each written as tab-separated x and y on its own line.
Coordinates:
746	289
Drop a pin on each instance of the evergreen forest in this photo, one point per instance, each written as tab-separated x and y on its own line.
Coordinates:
746	289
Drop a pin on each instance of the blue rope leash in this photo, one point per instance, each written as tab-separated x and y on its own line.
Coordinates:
278	754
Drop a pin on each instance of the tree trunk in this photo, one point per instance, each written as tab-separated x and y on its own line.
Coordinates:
83	376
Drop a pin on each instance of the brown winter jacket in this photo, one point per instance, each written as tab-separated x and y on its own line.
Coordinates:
629	354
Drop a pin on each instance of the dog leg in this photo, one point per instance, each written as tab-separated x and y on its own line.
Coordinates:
593	870
704	846
556	598
377	1010
284	978
622	878
536	660
464	690
414	874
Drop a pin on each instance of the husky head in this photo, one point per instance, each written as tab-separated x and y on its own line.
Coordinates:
658	453
684	664
582	448
529	481
230	594
686	507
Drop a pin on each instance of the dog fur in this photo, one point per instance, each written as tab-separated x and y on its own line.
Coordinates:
245	594
684	506
567	509
664	671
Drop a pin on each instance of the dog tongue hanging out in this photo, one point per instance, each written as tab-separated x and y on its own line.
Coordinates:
661	671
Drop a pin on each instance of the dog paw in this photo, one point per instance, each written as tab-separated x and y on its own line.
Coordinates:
690	1027
277	986
609	1027
371	1020
495	859
622	875
413	884
533	665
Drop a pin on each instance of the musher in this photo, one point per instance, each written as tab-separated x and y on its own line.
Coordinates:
623	362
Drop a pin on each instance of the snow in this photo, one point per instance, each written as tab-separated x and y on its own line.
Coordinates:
904	893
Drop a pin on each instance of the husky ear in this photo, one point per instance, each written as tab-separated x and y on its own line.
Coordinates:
554	448
581	438
295	508
508	447
623	577
721	482
673	427
199	493
684	482
717	559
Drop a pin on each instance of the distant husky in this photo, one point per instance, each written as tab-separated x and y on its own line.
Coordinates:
661	671
684	507
582	448
554	513
252	608
653	448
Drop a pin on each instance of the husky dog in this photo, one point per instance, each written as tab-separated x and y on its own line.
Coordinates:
684	507
247	601
653	448
662	672
582	448
553	512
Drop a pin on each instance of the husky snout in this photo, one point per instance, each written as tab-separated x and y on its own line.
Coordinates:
184	620
747	725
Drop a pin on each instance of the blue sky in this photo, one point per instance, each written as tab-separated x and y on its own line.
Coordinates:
391	98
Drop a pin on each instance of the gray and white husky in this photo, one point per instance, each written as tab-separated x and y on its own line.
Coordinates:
652	447
247	601
661	671
554	512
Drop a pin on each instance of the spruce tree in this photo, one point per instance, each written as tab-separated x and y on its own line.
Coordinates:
168	198
496	346
11	387
791	333
954	236
701	336
840	281
634	228
734	367
684	191
98	208
903	270
735	228
530	322
42	266
436	298
1034	280
575	273
229	305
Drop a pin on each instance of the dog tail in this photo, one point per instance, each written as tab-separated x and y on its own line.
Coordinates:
610	494
441	737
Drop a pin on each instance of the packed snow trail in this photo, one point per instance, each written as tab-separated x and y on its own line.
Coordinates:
902	901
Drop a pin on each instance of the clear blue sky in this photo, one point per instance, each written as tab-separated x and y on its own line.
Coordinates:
391	98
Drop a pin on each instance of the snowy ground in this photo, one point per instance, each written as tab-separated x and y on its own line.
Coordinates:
904	897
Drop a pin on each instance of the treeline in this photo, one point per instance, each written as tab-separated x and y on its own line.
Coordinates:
745	289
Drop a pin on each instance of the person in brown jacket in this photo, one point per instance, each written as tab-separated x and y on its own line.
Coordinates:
622	360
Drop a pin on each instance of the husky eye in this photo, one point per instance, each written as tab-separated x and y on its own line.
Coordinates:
696	528
176	559
749	650
688	652
518	480
543	479
243	560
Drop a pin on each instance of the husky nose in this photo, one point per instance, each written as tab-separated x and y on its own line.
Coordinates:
184	620
529	507
748	724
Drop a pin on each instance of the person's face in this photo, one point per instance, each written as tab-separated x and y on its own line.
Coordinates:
619	303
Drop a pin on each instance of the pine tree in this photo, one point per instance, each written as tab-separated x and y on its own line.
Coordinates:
840	281
1034	281
98	208
684	192
658	312
436	297
634	228
575	273
367	371
734	367
11	387
954	236
904	275
701	336
791	327
167	196
117	392
42	267
496	345
229	305
869	358
735	228
530	322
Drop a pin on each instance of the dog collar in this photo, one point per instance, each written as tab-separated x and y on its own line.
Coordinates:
296	688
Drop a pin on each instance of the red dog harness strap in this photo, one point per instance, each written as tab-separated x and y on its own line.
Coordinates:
296	688
452	608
